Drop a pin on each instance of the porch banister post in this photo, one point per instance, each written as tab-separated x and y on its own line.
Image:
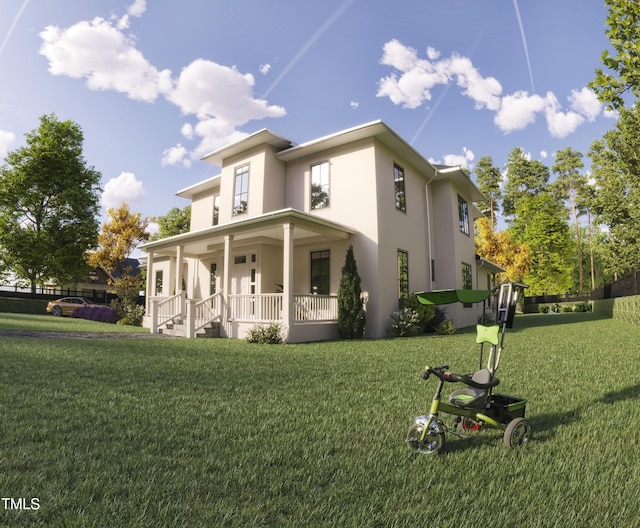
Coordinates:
178	285
150	281
153	312
287	277
191	318
226	278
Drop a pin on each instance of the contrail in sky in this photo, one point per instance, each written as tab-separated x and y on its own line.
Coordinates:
13	25
524	43
310	43
429	115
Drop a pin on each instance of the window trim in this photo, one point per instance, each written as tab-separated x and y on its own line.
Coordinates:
327	203
463	216
241	171
401	204
323	254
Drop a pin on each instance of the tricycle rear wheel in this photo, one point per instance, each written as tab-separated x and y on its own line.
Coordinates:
517	433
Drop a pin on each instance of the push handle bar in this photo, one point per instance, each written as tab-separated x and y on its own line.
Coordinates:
462	378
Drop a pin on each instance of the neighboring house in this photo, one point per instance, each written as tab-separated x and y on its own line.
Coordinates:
269	235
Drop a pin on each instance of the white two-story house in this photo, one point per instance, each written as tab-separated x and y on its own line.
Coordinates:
269	235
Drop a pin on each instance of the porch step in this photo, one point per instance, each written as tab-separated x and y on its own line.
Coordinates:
212	330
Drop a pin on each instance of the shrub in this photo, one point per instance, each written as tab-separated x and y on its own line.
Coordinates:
567	309
101	314
438	318
405	323
132	315
425	312
584	306
446	327
544	308
351	315
271	334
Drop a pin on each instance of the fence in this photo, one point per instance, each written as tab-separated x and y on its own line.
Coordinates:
50	294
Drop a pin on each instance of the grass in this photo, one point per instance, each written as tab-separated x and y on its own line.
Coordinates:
174	432
49	323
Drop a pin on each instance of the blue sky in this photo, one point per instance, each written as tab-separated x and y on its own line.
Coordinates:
156	85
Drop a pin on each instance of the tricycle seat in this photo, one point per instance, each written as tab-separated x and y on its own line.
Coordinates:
474	396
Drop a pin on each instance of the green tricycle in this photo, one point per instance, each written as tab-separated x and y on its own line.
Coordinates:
475	406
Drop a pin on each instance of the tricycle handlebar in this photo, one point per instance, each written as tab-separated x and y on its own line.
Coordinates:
462	378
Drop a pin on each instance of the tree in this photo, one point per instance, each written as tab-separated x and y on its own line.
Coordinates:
541	223
175	222
351	315
500	248
524	178
624	34
123	232
49	203
571	185
488	178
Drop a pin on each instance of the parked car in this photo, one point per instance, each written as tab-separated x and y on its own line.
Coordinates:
66	305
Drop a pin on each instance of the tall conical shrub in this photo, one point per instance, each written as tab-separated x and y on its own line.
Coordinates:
351	315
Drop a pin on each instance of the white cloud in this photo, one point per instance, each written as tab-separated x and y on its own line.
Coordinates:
543	154
585	102
265	68
411	83
106	57
463	160
153	228
419	76
354	104
125	188
102	52
6	139
176	156
518	111
138	8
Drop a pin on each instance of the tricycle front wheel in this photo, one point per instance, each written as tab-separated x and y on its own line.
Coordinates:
518	433
433	439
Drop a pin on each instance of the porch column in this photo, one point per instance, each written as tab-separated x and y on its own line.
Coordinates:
150	282
287	277
226	278
178	285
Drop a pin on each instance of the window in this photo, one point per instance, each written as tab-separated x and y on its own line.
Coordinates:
463	215
403	276
467	282
214	278
320	185
159	282
433	269
216	209
320	264
241	192
398	179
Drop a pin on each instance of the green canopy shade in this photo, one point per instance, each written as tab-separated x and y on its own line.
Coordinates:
451	296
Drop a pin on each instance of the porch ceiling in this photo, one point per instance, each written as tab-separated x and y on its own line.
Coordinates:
267	228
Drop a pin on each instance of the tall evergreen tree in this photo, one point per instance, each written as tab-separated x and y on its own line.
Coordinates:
488	179
351	314
525	177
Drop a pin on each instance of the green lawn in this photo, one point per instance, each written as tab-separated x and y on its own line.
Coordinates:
174	432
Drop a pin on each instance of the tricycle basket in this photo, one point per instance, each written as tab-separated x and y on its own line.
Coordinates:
505	408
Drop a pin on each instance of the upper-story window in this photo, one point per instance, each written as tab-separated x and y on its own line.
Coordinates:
320	185
241	190
398	179
463	215
216	209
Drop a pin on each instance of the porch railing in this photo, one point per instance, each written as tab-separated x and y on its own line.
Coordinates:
315	308
262	307
207	310
169	309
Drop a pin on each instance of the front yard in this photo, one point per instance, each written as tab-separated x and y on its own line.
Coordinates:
175	432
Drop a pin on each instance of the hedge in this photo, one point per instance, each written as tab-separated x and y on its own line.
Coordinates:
625	309
26	306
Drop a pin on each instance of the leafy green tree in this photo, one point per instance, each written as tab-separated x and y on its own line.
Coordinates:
488	179
623	68
571	185
541	223
525	178
49	203
351	314
175	222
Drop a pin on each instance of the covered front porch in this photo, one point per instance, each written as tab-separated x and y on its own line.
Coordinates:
225	279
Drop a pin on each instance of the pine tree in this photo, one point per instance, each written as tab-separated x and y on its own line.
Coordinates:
351	315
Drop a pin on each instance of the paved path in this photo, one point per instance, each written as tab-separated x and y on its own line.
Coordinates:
80	335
